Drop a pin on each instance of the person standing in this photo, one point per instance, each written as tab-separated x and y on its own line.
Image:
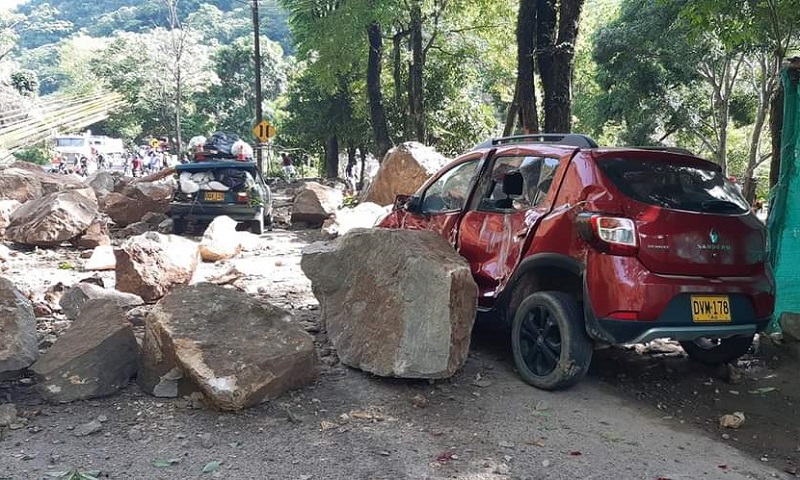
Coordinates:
288	168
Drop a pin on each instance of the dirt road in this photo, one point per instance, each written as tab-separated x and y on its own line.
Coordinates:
484	423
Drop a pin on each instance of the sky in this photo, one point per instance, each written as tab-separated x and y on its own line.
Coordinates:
9	4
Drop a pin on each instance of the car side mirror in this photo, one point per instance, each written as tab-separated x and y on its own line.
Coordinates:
400	201
513	183
414	205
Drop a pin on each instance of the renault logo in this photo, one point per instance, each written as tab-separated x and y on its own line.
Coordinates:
713	236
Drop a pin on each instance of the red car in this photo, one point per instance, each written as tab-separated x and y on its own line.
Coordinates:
578	246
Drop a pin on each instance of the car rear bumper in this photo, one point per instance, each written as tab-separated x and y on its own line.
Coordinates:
659	306
200	211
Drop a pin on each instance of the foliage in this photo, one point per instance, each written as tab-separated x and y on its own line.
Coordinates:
25	82
36	154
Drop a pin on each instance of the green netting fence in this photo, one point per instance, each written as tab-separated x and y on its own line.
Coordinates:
784	217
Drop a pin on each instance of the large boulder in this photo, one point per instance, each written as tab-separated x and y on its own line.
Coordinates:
96	234
7	207
135	200
236	351
52	219
95	357
24	181
363	215
103	182
152	264
18	345
74	299
315	203
220	241
398	303
404	169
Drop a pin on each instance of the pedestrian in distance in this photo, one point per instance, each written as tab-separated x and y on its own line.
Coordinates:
288	168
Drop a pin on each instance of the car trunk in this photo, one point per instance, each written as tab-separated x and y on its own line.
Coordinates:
690	219
212	184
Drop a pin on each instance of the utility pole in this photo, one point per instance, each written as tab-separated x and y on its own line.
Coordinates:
259	99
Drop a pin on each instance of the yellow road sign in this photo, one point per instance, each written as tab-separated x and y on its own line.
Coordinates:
264	131
155	143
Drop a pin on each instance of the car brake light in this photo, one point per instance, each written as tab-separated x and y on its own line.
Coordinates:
624	315
242	197
612	235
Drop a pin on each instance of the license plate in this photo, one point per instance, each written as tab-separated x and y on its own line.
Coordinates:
214	196
711	308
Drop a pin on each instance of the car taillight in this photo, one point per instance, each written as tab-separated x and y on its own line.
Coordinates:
242	197
609	234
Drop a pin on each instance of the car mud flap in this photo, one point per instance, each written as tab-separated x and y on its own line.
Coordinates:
593	328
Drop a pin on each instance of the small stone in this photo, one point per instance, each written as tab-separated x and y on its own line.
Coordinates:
87	428
384	453
420	401
734	420
502	469
545	463
102	418
135	435
8	414
206	440
725	436
506	444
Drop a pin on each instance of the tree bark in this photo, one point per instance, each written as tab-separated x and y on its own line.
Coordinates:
775	127
332	157
380	127
525	91
513	110
555	45
416	95
362	150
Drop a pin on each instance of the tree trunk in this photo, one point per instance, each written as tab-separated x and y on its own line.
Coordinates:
775	127
555	46
332	157
513	110
363	151
525	91
178	114
416	95
397	75
380	127
765	89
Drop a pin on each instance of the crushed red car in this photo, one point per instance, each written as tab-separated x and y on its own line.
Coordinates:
578	246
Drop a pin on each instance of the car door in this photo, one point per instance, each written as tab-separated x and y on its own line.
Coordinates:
442	202
494	230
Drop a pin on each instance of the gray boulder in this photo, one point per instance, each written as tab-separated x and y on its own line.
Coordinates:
53	218
95	357
73	301
18	345
405	308
152	264
232	348
315	203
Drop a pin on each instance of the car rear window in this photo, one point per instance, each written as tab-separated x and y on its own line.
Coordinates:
675	186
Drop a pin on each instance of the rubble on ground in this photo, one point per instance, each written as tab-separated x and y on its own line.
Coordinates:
220	241
151	265
53	219
404	169
315	203
18	343
235	350
74	299
95	357
363	215
405	308
7	207
23	181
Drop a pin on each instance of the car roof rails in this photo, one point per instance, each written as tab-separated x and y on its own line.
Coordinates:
683	151
572	139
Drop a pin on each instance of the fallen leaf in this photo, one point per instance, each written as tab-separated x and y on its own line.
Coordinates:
211	467
575	454
723	467
536	443
165	463
445	457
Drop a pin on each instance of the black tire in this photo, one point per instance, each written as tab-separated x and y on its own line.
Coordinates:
549	341
257	226
178	226
268	221
716	351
